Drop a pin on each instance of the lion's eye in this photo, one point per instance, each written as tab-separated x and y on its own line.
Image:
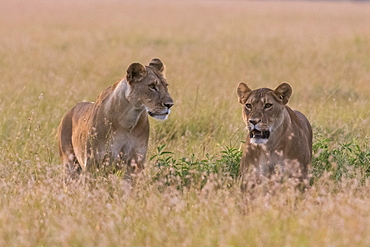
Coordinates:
152	87
248	106
268	106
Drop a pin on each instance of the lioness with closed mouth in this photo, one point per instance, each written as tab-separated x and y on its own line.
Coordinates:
114	130
279	138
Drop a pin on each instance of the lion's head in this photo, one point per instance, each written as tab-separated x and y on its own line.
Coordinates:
263	110
148	88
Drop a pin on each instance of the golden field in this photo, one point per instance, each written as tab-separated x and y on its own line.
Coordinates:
54	54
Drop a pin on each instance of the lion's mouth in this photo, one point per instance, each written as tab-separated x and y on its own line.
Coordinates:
160	116
256	134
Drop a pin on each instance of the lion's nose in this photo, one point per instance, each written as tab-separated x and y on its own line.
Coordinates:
168	105
254	121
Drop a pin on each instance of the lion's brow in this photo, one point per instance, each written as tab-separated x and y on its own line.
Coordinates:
164	83
160	77
162	80
261	92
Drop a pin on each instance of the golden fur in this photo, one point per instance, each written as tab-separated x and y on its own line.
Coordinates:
114	130
279	139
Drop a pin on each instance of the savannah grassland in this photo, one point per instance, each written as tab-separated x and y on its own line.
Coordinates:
54	54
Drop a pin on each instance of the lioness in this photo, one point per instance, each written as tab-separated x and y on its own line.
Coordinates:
114	130
279	139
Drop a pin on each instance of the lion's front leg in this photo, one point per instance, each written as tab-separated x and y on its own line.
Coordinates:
134	166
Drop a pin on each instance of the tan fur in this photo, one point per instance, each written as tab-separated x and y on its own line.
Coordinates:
114	130
288	148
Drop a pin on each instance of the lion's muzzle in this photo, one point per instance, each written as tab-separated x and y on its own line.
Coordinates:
161	114
258	132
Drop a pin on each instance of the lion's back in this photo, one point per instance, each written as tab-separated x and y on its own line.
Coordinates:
82	109
78	117
305	125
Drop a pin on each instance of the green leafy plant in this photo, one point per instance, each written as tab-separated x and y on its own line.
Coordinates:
345	160
188	171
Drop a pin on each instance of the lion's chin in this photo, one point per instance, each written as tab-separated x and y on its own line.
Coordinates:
259	137
158	116
161	117
258	141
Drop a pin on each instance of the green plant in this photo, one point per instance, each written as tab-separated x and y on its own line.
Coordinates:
188	171
348	160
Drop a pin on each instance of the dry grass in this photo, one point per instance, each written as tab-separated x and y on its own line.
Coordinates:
54	54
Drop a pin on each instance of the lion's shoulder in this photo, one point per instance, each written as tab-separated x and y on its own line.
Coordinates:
105	94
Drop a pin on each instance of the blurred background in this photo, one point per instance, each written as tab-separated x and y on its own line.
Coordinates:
54	54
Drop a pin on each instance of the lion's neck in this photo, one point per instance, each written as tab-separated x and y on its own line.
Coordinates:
121	112
281	131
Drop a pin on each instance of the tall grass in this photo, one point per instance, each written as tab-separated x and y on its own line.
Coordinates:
54	54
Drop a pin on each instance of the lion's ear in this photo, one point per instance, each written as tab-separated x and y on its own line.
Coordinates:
283	92
243	91
157	64
135	72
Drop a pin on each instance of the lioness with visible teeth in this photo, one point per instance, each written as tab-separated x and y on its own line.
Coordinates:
279	139
114	130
